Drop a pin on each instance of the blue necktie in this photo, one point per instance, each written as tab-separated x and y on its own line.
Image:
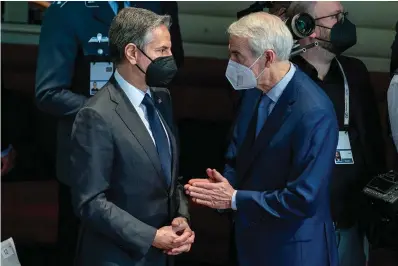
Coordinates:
159	134
262	112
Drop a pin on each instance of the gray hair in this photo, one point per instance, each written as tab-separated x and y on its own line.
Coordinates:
133	25
264	32
297	7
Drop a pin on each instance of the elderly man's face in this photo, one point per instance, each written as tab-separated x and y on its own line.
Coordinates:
159	46
240	52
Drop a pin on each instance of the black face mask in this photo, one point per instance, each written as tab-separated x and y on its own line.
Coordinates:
160	71
343	35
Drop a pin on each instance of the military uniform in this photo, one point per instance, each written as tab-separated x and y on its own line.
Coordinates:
73	53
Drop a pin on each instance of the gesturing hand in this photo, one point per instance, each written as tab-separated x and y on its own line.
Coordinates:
214	192
185	239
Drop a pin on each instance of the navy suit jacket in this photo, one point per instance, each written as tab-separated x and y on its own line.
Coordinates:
282	177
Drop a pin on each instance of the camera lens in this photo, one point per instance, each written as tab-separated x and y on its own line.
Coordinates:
301	25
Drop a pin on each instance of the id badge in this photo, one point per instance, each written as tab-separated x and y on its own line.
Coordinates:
344	152
100	73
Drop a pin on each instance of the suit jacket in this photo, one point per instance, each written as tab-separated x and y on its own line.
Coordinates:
282	177
63	65
118	188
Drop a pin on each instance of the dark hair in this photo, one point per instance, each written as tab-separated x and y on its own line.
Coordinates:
133	25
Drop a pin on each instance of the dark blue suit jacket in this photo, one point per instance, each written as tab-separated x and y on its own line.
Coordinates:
283	214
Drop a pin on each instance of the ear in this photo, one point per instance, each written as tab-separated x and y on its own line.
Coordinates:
131	53
270	57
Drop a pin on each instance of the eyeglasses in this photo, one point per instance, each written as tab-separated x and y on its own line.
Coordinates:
340	16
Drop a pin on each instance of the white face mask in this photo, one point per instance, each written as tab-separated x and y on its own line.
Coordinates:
241	77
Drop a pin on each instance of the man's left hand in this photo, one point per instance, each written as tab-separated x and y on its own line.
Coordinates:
185	239
217	195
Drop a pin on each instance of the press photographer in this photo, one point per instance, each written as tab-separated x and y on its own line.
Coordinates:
346	81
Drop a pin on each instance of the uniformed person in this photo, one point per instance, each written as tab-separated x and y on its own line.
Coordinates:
73	55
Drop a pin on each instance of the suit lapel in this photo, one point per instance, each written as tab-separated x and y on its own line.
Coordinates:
103	12
280	113
132	120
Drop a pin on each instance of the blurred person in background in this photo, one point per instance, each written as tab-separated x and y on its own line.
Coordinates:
346	81
392	94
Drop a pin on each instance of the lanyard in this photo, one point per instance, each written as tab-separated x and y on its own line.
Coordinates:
346	97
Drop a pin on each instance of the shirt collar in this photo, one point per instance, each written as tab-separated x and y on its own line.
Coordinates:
275	93
135	95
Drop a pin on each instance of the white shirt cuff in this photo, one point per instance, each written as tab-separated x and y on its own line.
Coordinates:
233	202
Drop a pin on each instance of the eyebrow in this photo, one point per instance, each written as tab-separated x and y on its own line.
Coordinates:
233	51
163	47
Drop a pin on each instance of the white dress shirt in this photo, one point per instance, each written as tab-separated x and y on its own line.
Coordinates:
136	96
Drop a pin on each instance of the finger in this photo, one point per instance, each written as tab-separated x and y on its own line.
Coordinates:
217	176
209	173
200	188
190	240
183	238
179	250
206	203
205	180
177	221
180	227
200	196
206	186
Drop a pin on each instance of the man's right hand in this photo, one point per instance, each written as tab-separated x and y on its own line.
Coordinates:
164	238
211	179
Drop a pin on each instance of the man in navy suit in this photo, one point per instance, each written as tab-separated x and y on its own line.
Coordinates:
281	154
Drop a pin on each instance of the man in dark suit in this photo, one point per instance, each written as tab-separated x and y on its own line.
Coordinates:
281	155
124	157
73	40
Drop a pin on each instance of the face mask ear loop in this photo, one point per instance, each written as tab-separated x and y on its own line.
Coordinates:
144	54
260	73
255	62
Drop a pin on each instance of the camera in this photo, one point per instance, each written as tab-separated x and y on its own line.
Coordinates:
382	190
301	25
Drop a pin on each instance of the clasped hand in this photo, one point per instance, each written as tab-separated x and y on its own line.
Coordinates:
214	192
175	238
